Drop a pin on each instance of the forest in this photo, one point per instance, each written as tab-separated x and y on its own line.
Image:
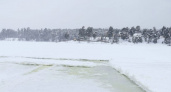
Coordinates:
90	34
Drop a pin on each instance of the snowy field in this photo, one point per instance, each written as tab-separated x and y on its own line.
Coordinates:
148	65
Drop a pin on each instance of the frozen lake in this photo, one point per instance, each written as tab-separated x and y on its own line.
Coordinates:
26	77
149	65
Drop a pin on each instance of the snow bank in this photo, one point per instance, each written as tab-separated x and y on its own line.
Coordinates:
152	76
149	65
50	61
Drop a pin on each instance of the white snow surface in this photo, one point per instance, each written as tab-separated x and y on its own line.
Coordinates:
148	65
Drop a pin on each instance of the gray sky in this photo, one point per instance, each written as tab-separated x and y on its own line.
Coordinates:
76	13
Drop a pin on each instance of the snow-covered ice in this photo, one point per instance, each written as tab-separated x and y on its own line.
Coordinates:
34	75
149	65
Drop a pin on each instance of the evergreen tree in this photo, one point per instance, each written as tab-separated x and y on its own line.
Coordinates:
110	32
82	32
66	35
89	31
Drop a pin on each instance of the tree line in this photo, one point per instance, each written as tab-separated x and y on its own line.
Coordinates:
133	34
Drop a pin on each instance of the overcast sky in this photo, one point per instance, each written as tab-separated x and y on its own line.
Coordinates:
77	13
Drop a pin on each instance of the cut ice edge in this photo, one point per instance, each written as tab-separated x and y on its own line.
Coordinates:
131	78
52	61
63	59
